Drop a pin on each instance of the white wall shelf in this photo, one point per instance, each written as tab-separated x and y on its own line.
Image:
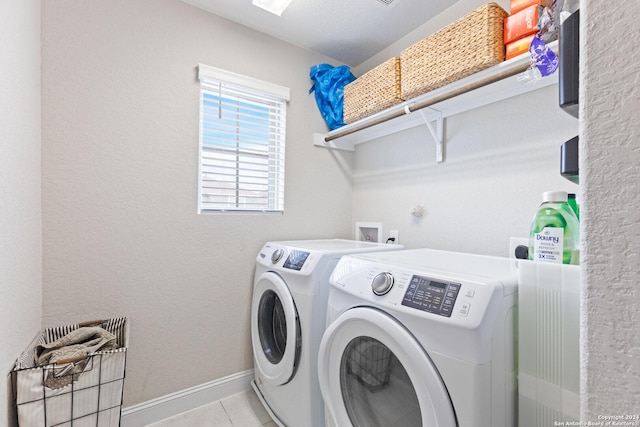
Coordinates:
502	81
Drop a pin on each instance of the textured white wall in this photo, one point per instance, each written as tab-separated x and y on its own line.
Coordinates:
610	177
499	160
120	139
20	219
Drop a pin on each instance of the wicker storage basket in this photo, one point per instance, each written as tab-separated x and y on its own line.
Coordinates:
468	45
373	91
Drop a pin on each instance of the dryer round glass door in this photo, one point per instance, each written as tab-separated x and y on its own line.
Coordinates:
373	372
275	330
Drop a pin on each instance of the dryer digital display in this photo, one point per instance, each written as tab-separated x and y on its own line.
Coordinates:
431	296
296	260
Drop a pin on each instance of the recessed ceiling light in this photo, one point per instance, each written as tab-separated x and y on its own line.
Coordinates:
389	3
274	6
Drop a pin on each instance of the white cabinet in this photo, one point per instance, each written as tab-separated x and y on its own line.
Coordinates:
494	84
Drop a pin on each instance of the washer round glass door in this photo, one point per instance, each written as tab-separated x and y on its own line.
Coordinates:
373	372
275	329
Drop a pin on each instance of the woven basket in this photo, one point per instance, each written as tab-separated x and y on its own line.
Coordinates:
373	91
468	45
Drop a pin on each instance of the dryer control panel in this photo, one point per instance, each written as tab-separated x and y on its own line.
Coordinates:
433	296
448	288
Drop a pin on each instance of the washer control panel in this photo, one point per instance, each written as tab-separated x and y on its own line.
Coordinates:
432	296
296	260
286	258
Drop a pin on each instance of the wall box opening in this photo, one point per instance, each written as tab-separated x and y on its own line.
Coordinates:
369	231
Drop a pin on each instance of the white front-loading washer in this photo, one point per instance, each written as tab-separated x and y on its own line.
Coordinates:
420	338
288	318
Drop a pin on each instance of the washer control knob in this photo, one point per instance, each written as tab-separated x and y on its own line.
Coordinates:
277	255
382	283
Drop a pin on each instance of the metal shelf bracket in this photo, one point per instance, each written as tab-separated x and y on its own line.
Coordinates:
435	116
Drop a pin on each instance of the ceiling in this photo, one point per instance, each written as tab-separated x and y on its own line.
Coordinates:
349	31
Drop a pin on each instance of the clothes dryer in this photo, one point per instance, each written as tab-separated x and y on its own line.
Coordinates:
288	318
420	338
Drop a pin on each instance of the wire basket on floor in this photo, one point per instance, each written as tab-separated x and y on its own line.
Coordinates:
90	398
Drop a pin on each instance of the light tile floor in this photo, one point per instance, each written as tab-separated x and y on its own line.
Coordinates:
239	410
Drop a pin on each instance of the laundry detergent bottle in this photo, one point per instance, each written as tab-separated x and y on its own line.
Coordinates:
555	231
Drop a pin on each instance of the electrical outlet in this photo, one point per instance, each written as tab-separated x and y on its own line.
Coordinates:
393	234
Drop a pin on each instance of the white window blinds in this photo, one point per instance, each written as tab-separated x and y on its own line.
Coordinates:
242	143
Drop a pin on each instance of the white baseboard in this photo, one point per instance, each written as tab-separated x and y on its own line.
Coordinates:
175	403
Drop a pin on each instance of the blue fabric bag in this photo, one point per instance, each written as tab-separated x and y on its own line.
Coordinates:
329	88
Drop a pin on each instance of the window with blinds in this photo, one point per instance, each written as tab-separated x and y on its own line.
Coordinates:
242	143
